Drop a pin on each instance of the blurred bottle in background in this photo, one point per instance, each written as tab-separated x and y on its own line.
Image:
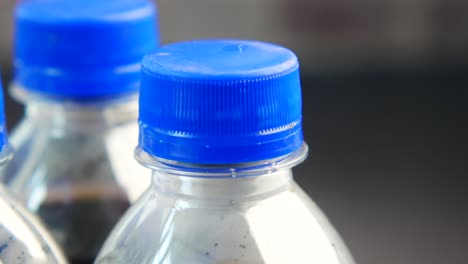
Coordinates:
23	239
221	128
77	72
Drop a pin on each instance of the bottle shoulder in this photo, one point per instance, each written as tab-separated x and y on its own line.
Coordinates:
23	239
100	159
284	228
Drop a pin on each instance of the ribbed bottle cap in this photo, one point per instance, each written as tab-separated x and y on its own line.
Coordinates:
220	102
83	49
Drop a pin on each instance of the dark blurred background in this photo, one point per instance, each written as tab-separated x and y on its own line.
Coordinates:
385	111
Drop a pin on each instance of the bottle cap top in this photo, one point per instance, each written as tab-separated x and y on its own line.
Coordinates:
220	102
83	49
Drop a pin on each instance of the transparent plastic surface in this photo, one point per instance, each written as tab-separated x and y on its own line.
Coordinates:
74	168
204	218
23	239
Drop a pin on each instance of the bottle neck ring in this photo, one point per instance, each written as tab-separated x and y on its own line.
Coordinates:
242	170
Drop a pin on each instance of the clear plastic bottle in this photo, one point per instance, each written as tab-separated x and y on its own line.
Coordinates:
77	71
23	239
220	127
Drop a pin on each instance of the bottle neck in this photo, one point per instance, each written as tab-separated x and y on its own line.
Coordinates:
223	190
223	183
77	115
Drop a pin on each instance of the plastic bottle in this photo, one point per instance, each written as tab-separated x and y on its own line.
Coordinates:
220	127
77	68
23	239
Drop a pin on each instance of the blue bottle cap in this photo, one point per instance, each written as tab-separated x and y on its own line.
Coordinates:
220	102
83	49
3	131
